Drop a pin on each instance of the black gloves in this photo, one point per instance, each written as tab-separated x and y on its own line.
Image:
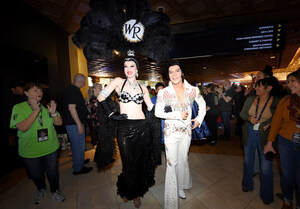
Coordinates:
111	114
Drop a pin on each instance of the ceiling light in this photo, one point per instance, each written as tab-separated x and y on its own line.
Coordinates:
116	52
160	9
272	57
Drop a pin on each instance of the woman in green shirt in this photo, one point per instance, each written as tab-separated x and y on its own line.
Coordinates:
38	142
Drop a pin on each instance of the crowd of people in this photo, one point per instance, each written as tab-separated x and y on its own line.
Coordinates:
266	118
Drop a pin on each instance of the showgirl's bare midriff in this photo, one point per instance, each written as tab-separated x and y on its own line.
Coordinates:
133	110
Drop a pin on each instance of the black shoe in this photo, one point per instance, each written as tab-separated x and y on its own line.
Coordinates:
266	202
212	143
83	170
86	161
245	189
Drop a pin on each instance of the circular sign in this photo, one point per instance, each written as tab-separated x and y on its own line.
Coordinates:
133	31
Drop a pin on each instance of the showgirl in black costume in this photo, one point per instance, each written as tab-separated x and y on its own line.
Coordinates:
135	145
99	35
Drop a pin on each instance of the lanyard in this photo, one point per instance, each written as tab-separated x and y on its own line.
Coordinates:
39	117
262	109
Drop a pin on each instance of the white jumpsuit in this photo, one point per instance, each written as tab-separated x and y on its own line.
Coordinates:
177	136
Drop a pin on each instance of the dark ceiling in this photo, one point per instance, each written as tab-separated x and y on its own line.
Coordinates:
188	16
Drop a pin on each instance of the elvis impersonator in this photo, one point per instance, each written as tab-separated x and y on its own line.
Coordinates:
174	104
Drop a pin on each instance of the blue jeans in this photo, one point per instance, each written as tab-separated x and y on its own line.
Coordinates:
266	167
226	123
256	163
77	146
289	153
37	166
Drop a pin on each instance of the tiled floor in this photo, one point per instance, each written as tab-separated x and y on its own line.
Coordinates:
216	185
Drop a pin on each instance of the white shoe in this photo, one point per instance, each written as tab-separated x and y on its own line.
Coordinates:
39	196
58	196
181	194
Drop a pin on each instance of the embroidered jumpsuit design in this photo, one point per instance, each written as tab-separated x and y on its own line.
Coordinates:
177	133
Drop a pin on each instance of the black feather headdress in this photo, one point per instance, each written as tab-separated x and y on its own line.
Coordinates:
101	30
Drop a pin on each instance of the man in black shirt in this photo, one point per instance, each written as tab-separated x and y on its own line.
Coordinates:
75	114
225	100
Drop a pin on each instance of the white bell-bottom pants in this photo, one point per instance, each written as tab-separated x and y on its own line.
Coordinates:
177	144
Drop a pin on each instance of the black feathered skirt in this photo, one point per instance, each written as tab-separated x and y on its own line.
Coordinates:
136	151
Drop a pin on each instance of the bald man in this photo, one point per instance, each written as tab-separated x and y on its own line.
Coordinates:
75	115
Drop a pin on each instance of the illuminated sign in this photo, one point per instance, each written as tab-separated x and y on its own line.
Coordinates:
228	40
261	37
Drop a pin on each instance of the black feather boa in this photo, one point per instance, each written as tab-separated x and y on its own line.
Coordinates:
155	136
106	147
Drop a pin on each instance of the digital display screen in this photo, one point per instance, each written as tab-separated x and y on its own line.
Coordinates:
227	40
260	37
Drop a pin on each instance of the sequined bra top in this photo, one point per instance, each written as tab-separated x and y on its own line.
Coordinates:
125	97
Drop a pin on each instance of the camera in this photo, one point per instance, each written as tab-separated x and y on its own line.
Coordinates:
269	156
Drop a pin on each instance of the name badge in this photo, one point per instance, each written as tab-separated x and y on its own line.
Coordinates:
296	138
42	135
256	126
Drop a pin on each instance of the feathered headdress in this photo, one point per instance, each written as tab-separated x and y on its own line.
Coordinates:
102	30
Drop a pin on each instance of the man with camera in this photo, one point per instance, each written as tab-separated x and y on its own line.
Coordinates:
225	100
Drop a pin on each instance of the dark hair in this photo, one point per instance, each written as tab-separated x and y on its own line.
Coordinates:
127	59
243	87
29	86
15	83
173	63
296	74
131	57
211	86
158	85
271	81
267	71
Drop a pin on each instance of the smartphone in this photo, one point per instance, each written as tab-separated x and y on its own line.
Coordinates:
269	155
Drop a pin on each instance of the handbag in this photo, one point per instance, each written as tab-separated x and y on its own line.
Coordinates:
202	132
